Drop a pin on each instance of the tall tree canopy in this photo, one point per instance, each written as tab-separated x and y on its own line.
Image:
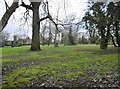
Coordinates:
104	17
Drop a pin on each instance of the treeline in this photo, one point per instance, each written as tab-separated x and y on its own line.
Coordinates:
103	19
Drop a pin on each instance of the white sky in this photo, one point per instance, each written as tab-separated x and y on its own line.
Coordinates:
76	7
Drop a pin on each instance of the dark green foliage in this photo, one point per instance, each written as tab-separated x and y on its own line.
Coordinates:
56	45
103	43
84	40
103	19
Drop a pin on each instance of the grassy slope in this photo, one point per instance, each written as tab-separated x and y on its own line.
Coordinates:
69	62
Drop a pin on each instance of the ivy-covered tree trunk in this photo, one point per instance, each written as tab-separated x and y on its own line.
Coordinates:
71	39
103	43
35	45
92	40
62	38
103	40
117	34
56	33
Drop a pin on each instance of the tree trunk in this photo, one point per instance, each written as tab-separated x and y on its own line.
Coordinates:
55	40
62	38
71	39
43	40
117	34
50	37
118	39
35	46
92	40
115	45
103	41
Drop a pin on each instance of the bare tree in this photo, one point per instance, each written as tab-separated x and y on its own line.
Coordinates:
69	26
34	6
50	34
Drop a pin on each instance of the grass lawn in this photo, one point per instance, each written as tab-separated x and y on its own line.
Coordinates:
62	66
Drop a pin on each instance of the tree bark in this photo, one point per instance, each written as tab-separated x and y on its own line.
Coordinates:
115	45
117	34
35	45
62	38
8	14
71	39
103	41
55	40
43	40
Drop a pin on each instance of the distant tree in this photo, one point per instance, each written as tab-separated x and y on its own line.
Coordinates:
71	38
4	36
68	27
44	28
84	40
50	34
62	38
23	37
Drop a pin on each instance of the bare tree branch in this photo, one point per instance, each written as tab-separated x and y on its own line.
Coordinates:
6	4
43	19
8	14
26	6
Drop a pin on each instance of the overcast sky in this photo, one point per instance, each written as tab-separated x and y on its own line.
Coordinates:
76	7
